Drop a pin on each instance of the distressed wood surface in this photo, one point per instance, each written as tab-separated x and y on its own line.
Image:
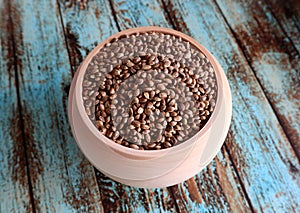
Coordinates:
62	179
273	57
43	43
261	152
287	15
14	185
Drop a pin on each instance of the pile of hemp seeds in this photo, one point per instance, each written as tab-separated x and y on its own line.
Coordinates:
149	91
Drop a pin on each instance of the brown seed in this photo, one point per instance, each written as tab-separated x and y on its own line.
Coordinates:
203	117
151	118
135	100
129	63
202	105
152	93
146	94
167	144
148	111
112	91
167	63
137	59
177	127
146	131
161	87
145	127
147	138
151	145
134	146
206	104
139	81
170	109
143	100
146	67
136	123
163	95
173	123
157	99
140	110
177	118
150	105
99	124
168	134
152	58
159	126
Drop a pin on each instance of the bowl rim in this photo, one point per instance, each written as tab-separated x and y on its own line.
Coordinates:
143	153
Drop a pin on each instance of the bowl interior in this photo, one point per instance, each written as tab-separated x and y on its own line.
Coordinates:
94	61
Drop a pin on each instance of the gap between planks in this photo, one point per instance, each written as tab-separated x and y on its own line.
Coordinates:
294	146
72	71
9	6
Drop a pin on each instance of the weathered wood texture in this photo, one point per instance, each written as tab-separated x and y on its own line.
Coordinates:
272	56
14	186
62	179
287	14
261	152
43	43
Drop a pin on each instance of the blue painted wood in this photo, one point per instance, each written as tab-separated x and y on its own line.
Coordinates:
62	179
256	170
288	17
85	28
274	59
261	152
14	187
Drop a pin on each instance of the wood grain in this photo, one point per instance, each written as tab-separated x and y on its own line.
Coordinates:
14	185
273	58
261	152
121	198
215	189
86	28
287	15
61	178
43	43
199	193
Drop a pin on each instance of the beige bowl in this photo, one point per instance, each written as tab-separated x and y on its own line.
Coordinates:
150	168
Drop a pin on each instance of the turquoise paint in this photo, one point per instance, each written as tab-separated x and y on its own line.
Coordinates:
57	167
274	59
62	178
14	188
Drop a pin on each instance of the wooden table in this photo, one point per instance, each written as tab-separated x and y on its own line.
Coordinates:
42	44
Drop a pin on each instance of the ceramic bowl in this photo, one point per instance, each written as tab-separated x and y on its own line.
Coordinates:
150	168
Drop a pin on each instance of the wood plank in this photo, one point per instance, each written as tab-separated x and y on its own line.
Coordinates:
84	29
14	186
287	14
273	57
261	153
61	177
121	198
215	189
198	193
